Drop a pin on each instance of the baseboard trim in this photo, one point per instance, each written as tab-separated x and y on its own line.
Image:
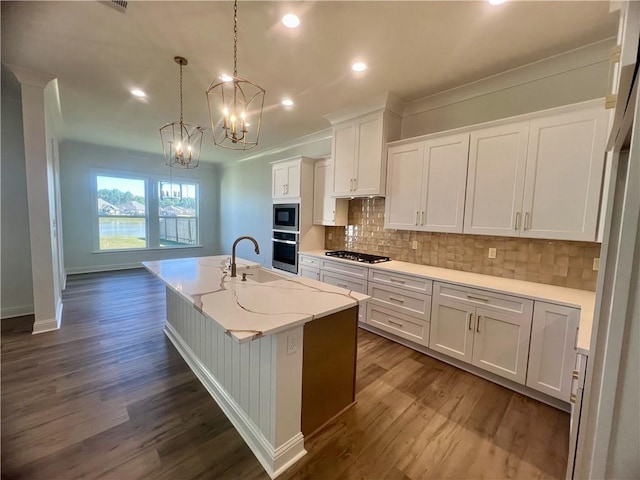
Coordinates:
12	312
102	268
274	461
527	392
49	324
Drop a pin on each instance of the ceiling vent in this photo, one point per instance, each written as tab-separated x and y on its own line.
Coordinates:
119	5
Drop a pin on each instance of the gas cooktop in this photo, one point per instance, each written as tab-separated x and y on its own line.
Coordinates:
358	257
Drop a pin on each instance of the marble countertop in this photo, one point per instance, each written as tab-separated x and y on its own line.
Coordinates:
251	309
582	299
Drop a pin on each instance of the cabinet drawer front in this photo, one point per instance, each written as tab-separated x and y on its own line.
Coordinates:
505	303
400	300
401	325
344	281
310	261
340	267
309	272
408	282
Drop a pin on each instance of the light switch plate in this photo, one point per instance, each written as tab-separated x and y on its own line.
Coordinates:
596	264
291	345
492	253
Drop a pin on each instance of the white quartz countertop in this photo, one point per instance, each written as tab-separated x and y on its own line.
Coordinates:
251	309
582	299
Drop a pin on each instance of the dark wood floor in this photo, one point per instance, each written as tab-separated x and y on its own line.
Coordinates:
108	396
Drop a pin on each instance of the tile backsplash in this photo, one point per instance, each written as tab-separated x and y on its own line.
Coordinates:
554	262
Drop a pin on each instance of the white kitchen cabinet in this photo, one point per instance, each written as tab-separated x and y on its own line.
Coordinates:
553	349
491	331
309	272
346	275
495	180
538	179
397	323
286	179
359	154
426	185
565	162
327	210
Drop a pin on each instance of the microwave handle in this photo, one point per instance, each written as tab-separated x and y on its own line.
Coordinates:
288	242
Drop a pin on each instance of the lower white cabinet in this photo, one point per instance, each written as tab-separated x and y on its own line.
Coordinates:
309	272
343	275
553	349
405	326
490	331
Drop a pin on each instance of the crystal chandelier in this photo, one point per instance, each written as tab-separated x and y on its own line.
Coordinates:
235	105
181	142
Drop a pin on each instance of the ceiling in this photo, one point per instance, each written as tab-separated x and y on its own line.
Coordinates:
413	49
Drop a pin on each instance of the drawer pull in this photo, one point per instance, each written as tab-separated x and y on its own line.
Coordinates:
343	285
470	320
396	280
398	324
480	299
395	299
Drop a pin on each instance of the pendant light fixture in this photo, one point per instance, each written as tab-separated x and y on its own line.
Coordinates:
235	105
181	142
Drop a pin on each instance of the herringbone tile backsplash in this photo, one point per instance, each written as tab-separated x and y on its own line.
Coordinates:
554	262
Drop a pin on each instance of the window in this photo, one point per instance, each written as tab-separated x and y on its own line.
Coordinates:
178	212
145	213
122	207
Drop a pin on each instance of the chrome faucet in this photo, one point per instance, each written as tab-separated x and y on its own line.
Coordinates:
233	252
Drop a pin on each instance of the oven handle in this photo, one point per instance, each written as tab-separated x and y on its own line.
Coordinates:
288	242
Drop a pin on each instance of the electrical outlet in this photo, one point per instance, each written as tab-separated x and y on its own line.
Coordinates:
492	253
292	346
414	244
330	236
596	264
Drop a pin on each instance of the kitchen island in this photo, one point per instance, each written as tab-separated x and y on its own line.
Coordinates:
277	353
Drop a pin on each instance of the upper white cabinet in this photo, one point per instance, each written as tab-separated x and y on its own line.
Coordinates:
565	163
538	179
359	153
327	210
285	177
426	184
495	182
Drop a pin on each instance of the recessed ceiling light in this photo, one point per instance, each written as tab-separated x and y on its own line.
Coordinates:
136	92
226	78
287	102
290	21
497	2
359	67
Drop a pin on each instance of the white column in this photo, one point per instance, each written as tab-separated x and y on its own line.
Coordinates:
39	146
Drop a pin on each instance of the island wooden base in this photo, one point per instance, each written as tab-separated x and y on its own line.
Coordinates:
328	368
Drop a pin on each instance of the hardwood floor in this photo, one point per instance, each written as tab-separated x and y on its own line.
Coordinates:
107	396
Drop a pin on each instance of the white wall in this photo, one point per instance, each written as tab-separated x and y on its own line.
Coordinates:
246	206
16	294
77	160
571	77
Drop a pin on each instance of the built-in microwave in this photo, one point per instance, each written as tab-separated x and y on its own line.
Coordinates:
285	216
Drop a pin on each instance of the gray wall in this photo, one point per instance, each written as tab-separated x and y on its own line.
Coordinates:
77	160
16	293
246	206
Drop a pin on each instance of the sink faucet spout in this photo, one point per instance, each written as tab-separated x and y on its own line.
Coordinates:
233	252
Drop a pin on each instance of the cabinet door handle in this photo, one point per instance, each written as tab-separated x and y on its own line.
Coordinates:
398	324
517	226
526	221
417	217
422	223
470	320
480	299
478	324
355	184
351	185
396	299
283	189
575	343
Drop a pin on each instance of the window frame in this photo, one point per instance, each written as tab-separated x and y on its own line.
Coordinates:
152	209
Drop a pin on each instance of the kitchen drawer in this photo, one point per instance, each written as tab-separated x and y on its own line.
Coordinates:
472	296
309	272
405	326
401	300
344	281
309	261
354	269
409	282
